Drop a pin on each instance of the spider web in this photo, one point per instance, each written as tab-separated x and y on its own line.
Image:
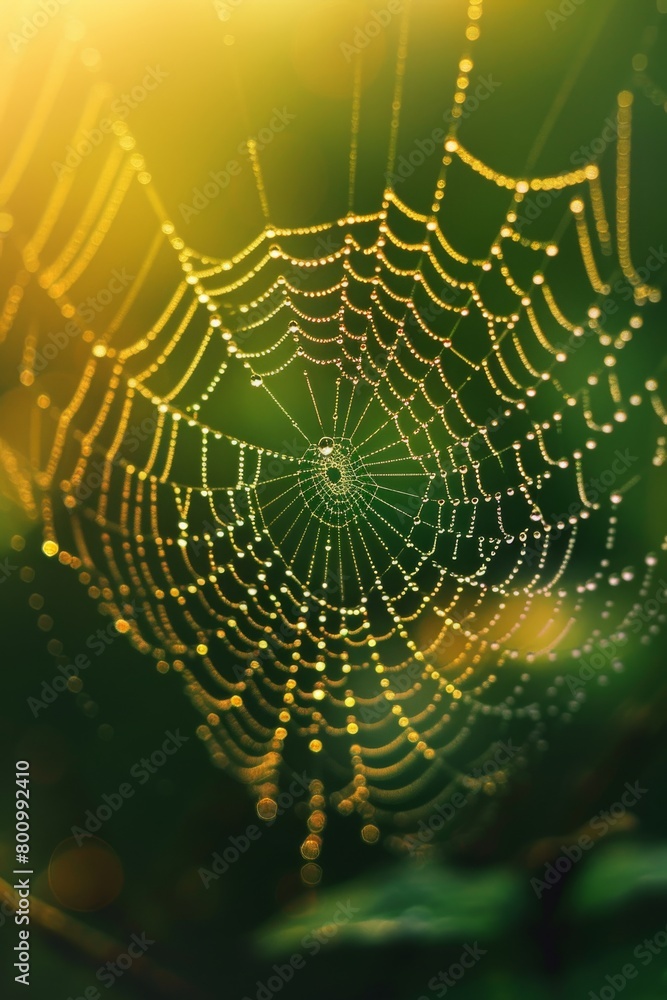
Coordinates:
348	481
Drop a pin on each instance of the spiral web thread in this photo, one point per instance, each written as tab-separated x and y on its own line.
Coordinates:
375	566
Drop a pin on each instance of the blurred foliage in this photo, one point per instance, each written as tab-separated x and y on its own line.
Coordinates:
414	916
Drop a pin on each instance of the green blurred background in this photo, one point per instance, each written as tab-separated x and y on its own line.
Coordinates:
225	77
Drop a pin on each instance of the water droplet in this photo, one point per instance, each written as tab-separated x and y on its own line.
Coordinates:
325	446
